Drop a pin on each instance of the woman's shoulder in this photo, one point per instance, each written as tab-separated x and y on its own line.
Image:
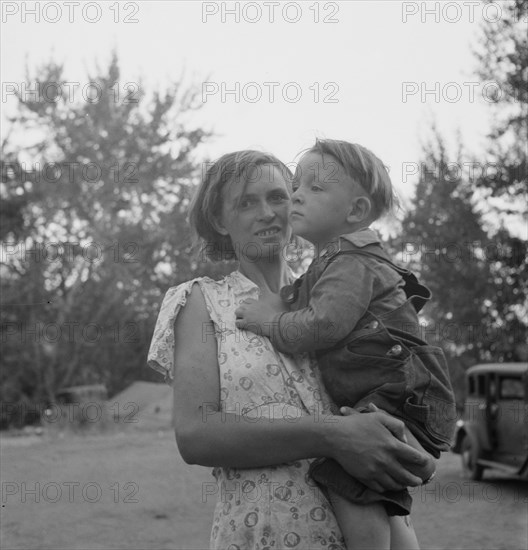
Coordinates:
185	285
205	303
181	291
233	282
199	295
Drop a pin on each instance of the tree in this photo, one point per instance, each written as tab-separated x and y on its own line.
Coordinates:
503	60
462	232
94	228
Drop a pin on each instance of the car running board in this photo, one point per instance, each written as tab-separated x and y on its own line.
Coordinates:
499	466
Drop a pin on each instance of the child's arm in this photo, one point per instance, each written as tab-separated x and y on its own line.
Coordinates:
338	300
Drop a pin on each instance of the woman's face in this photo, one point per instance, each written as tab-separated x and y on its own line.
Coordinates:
257	217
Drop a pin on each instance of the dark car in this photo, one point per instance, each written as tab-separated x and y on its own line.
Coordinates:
494	430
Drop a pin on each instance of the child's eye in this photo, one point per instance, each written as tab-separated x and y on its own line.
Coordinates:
316	188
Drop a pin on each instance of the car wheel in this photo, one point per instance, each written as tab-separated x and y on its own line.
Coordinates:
470	452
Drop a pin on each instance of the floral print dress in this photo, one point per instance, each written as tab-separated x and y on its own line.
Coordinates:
267	508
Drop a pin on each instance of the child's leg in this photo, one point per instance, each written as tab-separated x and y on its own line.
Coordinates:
402	534
364	526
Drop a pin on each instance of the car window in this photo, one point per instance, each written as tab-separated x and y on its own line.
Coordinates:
511	388
481	387
471	388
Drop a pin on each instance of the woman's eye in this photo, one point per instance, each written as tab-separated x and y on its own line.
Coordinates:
279	198
316	188
247	202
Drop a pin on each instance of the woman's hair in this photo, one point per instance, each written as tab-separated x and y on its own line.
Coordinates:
364	167
208	201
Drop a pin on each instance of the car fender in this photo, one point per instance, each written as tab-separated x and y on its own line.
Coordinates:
459	435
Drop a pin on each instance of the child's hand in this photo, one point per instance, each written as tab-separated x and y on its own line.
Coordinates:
273	301
257	316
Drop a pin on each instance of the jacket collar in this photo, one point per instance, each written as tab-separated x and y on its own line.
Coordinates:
359	239
362	237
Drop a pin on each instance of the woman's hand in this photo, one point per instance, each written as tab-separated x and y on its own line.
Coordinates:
347	411
425	471
370	447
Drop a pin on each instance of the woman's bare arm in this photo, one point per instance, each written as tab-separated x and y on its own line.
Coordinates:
363	444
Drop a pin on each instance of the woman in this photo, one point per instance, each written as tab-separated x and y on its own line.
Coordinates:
254	414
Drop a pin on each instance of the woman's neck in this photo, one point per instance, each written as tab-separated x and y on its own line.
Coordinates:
268	276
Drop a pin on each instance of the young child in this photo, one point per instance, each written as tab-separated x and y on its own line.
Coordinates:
357	312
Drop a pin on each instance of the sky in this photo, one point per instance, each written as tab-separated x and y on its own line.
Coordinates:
378	73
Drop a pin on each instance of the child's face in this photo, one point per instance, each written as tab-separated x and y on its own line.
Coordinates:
323	197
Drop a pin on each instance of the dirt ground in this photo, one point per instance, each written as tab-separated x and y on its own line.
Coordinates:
132	490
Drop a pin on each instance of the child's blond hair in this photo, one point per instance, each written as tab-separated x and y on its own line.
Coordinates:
364	167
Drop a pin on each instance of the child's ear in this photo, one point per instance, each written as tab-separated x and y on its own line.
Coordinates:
360	210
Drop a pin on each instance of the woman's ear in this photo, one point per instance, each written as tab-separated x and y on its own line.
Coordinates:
217	224
360	210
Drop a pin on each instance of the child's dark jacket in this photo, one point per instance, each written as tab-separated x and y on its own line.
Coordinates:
357	312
